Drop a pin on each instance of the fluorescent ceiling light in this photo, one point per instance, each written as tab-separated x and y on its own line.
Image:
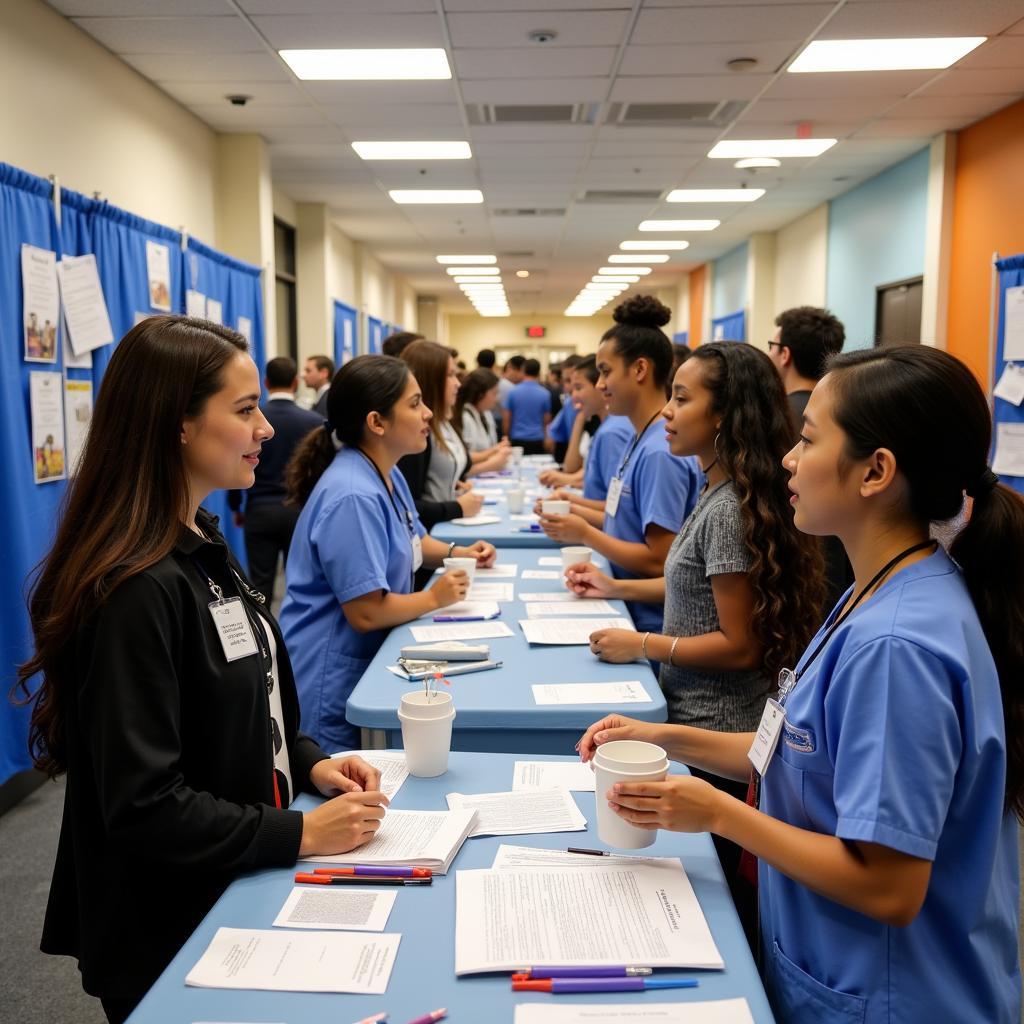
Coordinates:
679	225
649	257
884	54
631	278
412	150
473	271
731	149
615	270
367	65
655	243
436	195
466	259
495	313
714	195
578	312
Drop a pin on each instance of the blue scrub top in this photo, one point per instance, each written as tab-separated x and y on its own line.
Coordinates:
895	736
528	402
560	428
349	541
607	447
658	488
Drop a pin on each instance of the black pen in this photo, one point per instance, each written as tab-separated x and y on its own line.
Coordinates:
591	853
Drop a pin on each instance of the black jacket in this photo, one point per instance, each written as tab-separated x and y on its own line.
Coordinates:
414	468
170	772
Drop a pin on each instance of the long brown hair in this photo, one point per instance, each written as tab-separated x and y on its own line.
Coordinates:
124	510
429	364
786	568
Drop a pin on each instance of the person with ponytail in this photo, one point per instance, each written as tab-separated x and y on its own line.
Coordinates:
891	769
359	540
652	491
167	695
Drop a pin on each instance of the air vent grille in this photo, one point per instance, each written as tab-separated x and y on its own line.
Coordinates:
622	195
692	115
534	113
527	211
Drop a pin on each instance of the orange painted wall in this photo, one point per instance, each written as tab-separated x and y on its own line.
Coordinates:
988	216
697	305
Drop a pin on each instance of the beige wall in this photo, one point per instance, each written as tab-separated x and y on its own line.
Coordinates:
72	109
801	255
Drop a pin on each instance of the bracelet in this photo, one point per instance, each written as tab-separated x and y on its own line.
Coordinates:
643	644
451	548
672	652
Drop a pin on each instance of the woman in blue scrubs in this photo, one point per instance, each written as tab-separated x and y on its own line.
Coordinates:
886	835
652	491
359	541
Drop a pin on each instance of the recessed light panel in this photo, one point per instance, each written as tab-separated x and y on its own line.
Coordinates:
655	244
883	54
714	195
473	271
368	65
616	270
649	257
679	225
733	149
466	259
412	150
436	195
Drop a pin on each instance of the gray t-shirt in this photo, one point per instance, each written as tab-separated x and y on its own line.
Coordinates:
709	544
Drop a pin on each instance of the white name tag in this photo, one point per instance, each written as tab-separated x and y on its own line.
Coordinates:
233	628
417	552
766	739
611	503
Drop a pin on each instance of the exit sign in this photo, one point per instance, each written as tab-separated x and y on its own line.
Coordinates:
536	332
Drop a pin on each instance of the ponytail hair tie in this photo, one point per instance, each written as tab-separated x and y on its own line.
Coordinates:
985	484
332	435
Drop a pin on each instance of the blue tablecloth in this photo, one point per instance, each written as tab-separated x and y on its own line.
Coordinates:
424	973
495	710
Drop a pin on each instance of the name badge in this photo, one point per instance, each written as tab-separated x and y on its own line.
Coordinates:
417	552
766	739
611	503
232	625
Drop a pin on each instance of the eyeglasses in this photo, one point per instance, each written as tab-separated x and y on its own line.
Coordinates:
770	343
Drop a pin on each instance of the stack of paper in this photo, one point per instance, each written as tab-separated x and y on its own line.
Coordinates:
556	609
459	631
537	857
717	1011
629	692
390	764
418	839
548	774
521	812
567	631
483	590
496	572
467	610
348	908
614	914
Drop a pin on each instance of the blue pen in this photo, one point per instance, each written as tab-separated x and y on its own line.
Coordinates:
525	973
532	528
563	985
465	618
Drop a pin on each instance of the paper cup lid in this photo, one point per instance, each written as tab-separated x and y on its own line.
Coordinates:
630	756
418	705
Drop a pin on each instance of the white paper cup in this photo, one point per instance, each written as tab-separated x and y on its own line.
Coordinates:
555	507
573	556
468	565
426	732
516	496
517	454
625	761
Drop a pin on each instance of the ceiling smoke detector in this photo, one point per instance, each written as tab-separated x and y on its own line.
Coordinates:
742	64
542	35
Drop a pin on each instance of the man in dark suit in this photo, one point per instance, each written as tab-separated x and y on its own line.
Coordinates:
317	375
268	521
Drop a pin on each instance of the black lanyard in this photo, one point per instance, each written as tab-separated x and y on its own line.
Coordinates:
392	496
636	441
788	678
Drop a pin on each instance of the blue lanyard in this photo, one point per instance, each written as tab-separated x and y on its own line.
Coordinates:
392	496
636	441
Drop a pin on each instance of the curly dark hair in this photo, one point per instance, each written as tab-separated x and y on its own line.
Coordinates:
787	570
638	335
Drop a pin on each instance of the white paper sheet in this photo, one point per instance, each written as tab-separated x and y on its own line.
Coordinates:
195	304
572	775
550	560
85	309
629	692
245	328
565	596
497	572
40	304
483	520
557	609
392	768
567	631
459	631
77	417
524	517
214	311
467	609
46	401
158	271
1010	387
346	908
716	1011
520	813
296	962
484	590
541	574
1009	457
1013	333
536	857
641	914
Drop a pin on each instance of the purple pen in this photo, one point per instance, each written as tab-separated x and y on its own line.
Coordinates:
569	985
580	972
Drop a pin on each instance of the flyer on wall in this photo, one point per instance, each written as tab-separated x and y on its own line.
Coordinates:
85	308
158	268
77	417
40	303
46	394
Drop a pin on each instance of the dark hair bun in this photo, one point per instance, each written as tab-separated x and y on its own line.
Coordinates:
642	311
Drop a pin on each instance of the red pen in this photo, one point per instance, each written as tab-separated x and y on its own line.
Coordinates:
307	879
381	872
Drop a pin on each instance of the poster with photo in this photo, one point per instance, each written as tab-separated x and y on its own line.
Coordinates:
40	303
85	308
46	394
77	417
158	269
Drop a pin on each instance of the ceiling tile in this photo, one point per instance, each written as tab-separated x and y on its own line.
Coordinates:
842	85
1005	52
1017	29
747	128
571	28
475	6
626	147
226	117
137	8
532	132
342	30
374	93
907	128
212	67
719	24
406	174
172	35
291	132
703	59
262	94
539	150
534	90
688	88
973	106
567	62
811	109
332	6
963	82
910	18
381	118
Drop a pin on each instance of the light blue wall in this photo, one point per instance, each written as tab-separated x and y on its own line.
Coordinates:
729	282
875	236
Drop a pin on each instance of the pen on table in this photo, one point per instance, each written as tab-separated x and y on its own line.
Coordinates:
566	985
463	618
377	1018
307	879
429	1018
526	973
381	871
592	853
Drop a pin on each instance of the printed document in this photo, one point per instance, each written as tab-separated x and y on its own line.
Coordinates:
85	309
567	631
521	812
342	907
484	590
483	520
540	574
1009	456
717	1011
1013	331
558	596
642	914
550	560
546	774
418	839
466	610
459	631
556	609
278	961
536	857
390	764
629	692
496	572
